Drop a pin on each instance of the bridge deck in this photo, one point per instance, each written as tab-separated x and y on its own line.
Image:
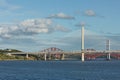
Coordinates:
63	52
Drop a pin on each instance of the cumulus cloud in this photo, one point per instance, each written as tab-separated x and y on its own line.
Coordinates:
36	26
30	27
61	16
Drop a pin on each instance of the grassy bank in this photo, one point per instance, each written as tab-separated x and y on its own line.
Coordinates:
13	57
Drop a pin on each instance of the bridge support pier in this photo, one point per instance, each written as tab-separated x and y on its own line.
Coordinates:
49	56
82	57
108	56
27	56
9	54
45	56
63	56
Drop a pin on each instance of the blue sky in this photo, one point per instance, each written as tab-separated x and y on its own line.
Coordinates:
33	25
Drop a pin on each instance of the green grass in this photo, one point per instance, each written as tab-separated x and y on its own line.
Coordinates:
4	56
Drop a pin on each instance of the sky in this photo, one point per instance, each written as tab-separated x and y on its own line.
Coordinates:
34	25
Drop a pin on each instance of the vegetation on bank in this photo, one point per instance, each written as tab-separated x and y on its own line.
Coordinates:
5	56
9	50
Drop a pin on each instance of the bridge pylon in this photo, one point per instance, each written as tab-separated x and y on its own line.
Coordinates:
108	49
82	43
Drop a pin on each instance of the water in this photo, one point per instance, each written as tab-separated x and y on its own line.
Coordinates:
59	70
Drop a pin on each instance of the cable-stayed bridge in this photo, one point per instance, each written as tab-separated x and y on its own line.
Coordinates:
56	52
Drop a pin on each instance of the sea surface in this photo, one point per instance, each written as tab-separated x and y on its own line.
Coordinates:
59	70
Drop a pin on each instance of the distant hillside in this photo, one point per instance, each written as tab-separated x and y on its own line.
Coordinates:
9	50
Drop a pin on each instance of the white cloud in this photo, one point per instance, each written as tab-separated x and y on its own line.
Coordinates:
90	13
4	32
7	9
30	27
61	16
36	25
61	28
7	6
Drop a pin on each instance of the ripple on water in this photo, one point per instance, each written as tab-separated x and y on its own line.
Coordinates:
59	70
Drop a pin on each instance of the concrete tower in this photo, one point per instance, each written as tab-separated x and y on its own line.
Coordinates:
108	49
82	43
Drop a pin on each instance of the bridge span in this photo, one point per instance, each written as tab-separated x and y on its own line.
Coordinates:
58	53
88	54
